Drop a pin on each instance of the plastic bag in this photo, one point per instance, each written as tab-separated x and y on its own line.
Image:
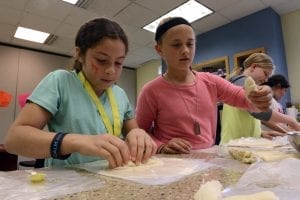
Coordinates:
15	185
282	178
171	170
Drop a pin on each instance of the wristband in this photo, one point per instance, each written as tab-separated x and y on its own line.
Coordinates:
56	145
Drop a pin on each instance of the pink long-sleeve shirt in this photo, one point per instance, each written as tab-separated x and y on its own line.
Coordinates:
171	109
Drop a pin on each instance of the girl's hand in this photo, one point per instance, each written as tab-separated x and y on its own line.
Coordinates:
140	144
110	147
261	98
177	146
271	134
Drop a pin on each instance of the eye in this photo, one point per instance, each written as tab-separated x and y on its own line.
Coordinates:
190	44
176	45
102	61
118	64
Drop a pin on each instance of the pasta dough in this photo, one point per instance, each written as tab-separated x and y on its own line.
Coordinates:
242	155
211	190
150	163
37	177
249	85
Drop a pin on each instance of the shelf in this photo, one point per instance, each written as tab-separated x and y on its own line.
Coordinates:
218	66
240	57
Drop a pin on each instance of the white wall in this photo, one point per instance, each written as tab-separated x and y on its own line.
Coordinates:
291	36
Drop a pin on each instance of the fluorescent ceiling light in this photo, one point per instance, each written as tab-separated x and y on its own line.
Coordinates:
71	1
31	35
191	11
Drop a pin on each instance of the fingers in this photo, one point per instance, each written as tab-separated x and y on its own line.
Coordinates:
112	148
119	151
261	98
141	146
177	145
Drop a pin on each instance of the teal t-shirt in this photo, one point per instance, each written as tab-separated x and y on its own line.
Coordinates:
73	111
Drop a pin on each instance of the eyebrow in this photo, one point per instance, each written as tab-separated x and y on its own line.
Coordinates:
104	54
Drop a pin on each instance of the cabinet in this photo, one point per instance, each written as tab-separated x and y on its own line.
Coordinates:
240	57
218	66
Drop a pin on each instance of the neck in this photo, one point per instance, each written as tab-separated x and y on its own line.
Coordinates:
98	91
180	78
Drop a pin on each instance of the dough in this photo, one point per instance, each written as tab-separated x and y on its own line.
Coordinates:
150	163
265	195
249	85
242	155
37	177
211	190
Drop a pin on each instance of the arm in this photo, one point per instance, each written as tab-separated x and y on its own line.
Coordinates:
25	137
278	117
145	112
234	95
274	126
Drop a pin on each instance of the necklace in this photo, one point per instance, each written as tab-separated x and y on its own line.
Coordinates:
196	125
114	128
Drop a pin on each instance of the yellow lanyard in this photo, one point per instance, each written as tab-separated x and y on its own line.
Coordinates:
116	128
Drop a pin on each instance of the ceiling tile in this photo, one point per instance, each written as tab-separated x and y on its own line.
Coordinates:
218	5
109	8
79	16
15	4
55	9
67	30
6	32
287	6
39	23
10	16
60	45
25	43
208	23
135	15
241	9
160	6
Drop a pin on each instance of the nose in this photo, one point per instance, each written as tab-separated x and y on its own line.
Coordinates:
185	49
110	69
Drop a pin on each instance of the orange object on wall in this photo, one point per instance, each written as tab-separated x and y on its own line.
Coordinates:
5	98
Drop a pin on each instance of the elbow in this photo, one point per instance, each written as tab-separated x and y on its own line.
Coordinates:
9	142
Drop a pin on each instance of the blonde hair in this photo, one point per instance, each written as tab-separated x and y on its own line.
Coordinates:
263	60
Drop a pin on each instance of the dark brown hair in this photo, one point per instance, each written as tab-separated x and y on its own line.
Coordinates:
92	32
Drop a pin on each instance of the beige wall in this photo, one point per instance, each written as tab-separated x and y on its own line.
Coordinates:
20	72
147	72
291	36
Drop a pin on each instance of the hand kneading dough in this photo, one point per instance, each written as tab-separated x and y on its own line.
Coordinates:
266	195
211	190
249	85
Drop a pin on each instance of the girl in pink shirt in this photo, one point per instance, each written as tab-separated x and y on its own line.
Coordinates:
179	109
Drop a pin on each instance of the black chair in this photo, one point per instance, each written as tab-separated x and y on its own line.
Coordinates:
38	163
218	132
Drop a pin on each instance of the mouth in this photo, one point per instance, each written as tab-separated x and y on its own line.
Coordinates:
184	59
106	81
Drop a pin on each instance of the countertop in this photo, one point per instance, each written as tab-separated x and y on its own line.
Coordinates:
226	170
183	189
